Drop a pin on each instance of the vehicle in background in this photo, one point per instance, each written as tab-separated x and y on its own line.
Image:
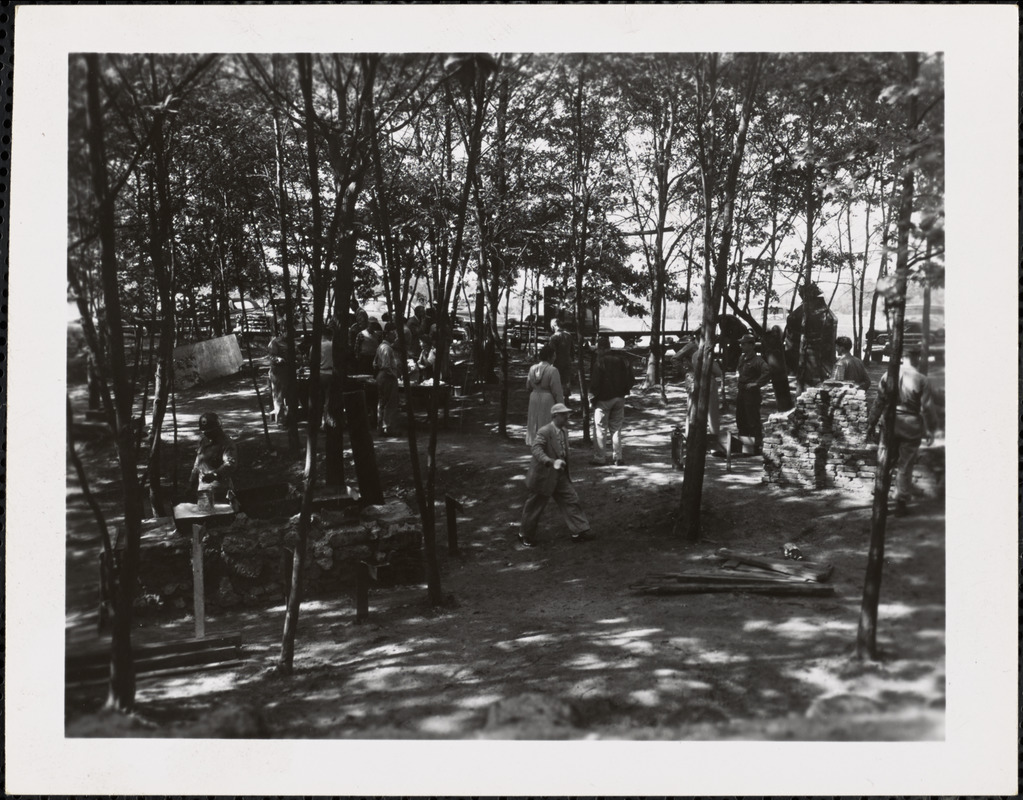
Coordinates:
912	336
250	318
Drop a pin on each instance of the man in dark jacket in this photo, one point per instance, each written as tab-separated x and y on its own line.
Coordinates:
610	382
752	373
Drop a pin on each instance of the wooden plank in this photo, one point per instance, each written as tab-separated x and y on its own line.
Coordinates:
155	663
802	569
717	576
140	651
193	511
198	583
750	571
753	587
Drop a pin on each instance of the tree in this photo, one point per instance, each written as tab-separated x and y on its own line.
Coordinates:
921	95
726	90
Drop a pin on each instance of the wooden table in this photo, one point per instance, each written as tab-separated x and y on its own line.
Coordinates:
199	517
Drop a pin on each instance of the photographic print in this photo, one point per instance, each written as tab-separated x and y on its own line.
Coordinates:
341	323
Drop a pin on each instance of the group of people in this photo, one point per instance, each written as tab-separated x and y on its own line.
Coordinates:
373	349
611	380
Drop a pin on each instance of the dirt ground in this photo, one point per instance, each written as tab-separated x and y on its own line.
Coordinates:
551	643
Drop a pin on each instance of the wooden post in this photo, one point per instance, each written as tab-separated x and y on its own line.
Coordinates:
452	507
362	448
198	585
198	517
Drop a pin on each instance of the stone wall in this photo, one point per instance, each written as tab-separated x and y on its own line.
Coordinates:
821	444
248	561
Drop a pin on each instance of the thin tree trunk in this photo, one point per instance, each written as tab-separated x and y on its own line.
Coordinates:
866	636
690	518
122	668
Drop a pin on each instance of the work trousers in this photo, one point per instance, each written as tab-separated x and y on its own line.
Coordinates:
387	401
568	501
747	413
608	418
903	460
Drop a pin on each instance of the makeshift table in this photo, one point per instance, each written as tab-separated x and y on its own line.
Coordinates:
199	517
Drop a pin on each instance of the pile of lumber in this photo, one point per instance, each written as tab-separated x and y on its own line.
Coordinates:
743	572
181	655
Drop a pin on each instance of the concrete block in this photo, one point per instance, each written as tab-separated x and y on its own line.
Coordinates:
199	362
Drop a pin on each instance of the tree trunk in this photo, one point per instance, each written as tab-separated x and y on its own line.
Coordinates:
689	520
291	393
866	637
285	664
121	694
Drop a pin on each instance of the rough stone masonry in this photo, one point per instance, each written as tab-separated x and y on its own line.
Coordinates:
821	444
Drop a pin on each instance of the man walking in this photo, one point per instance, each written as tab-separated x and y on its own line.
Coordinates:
848	367
548	477
914	421
753	373
610	382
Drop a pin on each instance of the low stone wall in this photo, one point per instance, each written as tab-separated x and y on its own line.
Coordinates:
248	561
821	444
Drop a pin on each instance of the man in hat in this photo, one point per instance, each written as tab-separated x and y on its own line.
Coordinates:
610	381
215	460
548	477
753	373
914	421
848	367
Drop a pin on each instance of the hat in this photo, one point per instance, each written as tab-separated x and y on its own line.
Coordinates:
749	337
560	408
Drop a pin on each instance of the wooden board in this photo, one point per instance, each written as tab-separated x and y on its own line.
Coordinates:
752	587
95	665
801	569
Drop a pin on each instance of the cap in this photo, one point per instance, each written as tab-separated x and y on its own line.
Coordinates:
560	408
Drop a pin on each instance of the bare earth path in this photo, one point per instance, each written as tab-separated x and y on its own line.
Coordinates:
551	643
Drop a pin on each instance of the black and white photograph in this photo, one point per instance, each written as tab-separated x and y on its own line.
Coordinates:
350	294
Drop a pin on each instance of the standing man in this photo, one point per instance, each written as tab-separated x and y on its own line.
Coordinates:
610	382
280	371
215	460
914	421
848	367
753	373
388	365
564	353
810	338
548	477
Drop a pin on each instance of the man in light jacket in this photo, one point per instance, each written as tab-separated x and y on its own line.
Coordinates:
549	477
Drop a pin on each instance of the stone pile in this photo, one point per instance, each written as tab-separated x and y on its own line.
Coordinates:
248	561
822	444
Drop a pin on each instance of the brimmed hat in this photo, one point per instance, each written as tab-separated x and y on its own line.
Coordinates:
560	408
749	337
